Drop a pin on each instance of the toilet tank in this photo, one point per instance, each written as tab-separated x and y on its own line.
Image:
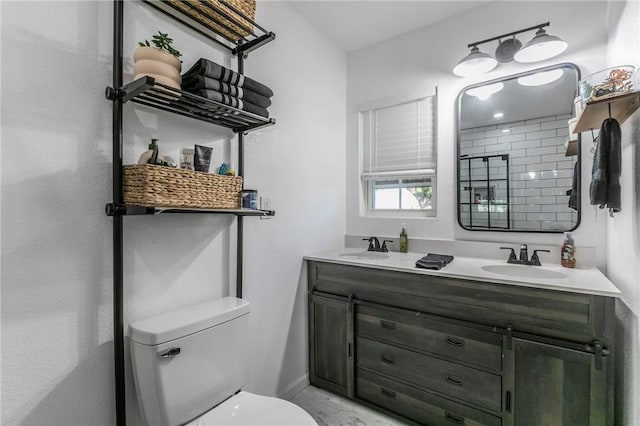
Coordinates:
188	361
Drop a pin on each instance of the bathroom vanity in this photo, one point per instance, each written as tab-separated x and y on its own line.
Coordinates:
462	345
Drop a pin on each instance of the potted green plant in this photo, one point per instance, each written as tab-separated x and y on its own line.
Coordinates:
158	59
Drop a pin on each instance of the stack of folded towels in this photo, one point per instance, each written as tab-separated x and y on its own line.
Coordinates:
434	261
212	81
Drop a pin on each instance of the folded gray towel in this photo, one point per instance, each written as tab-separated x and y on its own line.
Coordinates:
230	100
434	261
218	72
204	82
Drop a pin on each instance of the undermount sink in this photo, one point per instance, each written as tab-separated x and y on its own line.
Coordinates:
524	271
366	255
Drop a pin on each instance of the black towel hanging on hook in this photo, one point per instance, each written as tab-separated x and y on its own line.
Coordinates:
605	173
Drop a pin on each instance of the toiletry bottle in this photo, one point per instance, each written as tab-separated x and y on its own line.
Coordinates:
404	240
146	156
568	252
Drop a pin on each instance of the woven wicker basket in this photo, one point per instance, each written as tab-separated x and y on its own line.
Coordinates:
213	15
156	186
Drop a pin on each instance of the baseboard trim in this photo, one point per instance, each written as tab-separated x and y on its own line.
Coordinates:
295	387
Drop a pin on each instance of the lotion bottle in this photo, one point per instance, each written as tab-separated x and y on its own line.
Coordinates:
147	155
568	252
404	240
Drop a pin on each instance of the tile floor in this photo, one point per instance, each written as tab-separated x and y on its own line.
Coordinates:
331	410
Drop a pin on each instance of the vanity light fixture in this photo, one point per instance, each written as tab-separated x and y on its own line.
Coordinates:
476	62
542	46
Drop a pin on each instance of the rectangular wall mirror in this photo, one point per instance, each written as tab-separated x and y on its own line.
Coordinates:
515	172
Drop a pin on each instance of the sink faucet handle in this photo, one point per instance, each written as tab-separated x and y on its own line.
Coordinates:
384	245
535	260
512	255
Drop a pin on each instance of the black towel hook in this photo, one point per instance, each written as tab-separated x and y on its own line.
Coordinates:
609	105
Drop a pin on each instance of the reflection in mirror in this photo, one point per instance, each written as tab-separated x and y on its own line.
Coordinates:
514	170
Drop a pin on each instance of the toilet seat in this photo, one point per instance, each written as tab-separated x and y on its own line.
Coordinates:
248	409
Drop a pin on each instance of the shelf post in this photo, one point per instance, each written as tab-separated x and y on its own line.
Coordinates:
240	226
118	246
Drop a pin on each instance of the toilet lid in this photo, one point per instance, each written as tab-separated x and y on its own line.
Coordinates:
249	409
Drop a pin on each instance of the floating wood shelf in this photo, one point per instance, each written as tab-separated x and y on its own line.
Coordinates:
595	112
572	149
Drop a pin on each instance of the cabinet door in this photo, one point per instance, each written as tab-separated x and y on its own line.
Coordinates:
331	344
555	386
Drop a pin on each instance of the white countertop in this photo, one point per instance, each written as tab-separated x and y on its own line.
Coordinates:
582	279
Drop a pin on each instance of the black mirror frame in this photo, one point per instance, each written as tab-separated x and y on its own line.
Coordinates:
457	110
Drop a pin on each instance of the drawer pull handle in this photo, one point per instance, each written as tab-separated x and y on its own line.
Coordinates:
386	359
387	325
454	380
453	418
454	341
388	393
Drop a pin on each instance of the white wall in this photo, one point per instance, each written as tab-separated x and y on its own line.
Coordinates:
424	58
56	177
623	231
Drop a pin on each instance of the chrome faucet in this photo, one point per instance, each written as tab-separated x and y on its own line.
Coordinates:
524	256
374	244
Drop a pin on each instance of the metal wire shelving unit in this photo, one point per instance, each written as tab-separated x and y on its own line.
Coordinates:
227	32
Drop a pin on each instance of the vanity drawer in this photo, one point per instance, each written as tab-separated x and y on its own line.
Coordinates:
418	405
464	383
469	345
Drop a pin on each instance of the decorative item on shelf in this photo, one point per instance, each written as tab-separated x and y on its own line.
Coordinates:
606	83
233	19
161	62
202	158
543	46
186	158
249	198
157	186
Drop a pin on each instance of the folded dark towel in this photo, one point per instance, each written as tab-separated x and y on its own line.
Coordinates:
204	82
218	72
230	100
434	261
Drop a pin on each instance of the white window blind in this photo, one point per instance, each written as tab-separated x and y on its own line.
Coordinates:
399	141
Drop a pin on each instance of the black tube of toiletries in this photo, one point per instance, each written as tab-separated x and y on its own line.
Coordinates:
202	158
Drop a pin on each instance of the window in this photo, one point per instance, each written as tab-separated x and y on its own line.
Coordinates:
399	156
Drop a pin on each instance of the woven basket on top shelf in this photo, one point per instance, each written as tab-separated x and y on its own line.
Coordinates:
215	14
157	186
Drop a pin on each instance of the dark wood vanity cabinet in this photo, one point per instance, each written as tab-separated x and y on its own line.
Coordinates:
331	344
444	351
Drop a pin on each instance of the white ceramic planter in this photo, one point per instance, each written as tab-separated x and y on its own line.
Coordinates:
145	52
150	66
159	64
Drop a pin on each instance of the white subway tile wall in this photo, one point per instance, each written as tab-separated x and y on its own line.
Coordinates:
540	175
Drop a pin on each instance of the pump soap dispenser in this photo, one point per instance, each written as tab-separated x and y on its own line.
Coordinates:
148	155
568	252
404	240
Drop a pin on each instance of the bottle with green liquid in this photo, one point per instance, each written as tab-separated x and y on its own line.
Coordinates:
404	240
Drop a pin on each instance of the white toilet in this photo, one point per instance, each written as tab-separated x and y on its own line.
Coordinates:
189	367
